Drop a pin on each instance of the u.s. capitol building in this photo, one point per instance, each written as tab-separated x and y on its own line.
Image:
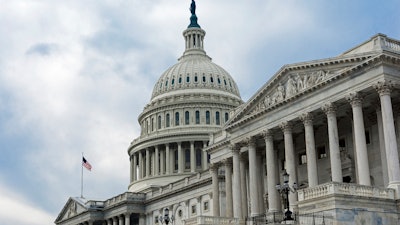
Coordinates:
320	139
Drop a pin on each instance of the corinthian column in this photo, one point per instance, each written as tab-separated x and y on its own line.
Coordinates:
359	137
140	165
271	172
167	160
254	206
243	185
228	187
134	169
147	162
215	188
180	158
312	170
290	160
336	164
192	158
237	210
392	156
157	161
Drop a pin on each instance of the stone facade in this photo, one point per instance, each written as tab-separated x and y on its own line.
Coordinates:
331	124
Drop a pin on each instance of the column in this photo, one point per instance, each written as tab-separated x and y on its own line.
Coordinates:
237	199
273	197
152	163
336	164
127	218
215	188
115	220
260	183
140	166
147	162
131	167
382	146
254	206
312	170
205	157
121	220
243	186
162	162
134	167
167	160
109	221
157	162
192	158
180	158
142	219
290	160
228	187
384	88
359	137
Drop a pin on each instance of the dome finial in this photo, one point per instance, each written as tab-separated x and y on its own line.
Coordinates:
193	18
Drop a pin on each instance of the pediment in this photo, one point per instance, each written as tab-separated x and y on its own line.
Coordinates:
293	81
73	207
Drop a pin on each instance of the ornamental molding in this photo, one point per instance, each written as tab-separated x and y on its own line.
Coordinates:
296	80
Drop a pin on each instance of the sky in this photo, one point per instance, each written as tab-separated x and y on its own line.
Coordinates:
75	75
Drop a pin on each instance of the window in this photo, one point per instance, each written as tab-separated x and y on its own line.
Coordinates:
211	79
187	159
187	79
225	82
166	83
152	124
177	119
219	81
302	158
167	120
159	122
187	117
180	80
173	81
198	157
207	117
176	159
197	117
156	219
217	121
226	117
342	144
205	206
195	79
204	79
194	209
321	152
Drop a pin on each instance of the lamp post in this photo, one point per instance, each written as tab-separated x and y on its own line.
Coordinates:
166	219
285	189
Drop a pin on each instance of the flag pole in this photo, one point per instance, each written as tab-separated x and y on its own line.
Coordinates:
82	176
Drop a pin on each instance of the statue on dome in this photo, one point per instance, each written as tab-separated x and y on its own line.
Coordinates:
193	7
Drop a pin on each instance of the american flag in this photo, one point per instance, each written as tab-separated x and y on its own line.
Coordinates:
86	164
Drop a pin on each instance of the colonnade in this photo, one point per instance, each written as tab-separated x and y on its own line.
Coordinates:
235	191
121	219
170	158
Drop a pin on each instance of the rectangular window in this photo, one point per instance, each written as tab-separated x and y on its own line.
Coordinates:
302	158
321	152
197	117
187	117
207	117
176	119
193	209
217	118
205	206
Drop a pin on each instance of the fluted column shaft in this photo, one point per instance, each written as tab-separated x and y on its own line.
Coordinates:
192	158
215	189
237	210
382	147
140	166
336	164
156	161
127	219
121	220
147	162
134	169
359	137
392	156
228	187
167	160
290	161
312	170
270	158
180	158
162	162
205	157
243	186
254	206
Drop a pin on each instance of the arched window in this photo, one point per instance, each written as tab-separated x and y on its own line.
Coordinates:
226	117
167	122
195	79
187	79
217	121
197	117
204	79
152	124
180	79
187	118
173	81
207	117
219	81
177	119
211	79
159	122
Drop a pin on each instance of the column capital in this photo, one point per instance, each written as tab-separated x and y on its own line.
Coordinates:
227	162
355	99
307	118
214	167
235	147
383	87
250	141
329	108
267	134
286	126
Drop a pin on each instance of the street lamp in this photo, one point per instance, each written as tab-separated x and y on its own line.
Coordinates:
166	219
285	189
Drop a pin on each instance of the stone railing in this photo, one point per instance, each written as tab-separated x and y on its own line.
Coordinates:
344	189
392	44
211	220
138	197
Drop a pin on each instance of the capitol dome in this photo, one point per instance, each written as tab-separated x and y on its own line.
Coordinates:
191	100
